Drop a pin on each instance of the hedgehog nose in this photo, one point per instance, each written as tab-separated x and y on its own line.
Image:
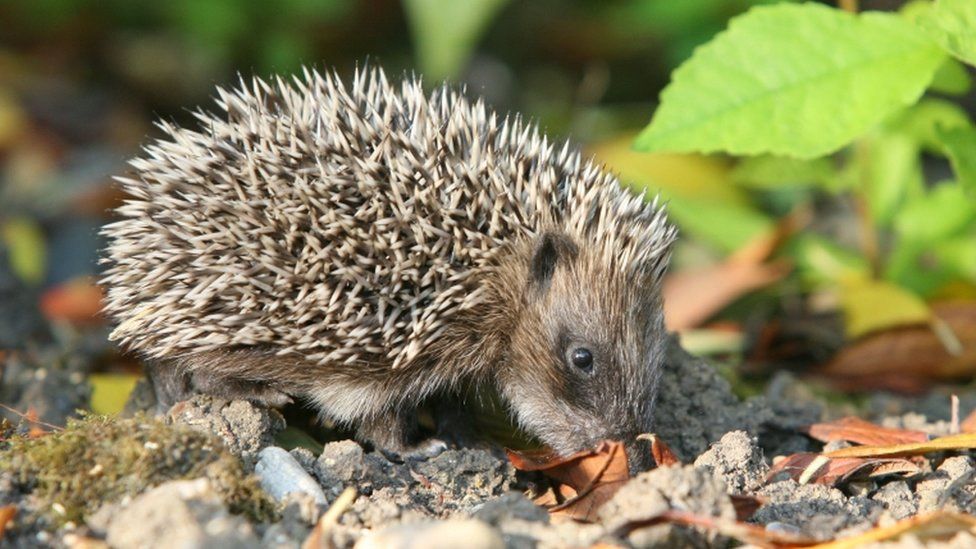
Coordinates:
639	457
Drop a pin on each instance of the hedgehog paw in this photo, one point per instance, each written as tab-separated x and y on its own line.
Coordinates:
426	449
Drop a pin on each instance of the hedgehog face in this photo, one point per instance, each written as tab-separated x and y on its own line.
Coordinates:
585	357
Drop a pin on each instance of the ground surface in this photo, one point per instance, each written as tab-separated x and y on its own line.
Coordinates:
467	497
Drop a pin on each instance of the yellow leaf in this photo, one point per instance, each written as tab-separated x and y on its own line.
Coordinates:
12	119
689	176
111	391
964	441
940	525
25	242
873	305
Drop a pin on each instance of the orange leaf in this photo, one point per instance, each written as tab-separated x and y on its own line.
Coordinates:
7	513
692	296
857	430
584	481
660	451
745	505
77	301
968	425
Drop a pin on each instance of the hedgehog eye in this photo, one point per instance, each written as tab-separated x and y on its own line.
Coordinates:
582	358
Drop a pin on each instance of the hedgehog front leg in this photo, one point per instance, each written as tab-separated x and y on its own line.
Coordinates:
210	373
396	433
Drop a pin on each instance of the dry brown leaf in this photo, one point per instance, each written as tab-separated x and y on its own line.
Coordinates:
909	357
964	441
968	425
692	296
821	469
660	451
584	481
77	301
933	526
857	430
742	531
7	513
746	505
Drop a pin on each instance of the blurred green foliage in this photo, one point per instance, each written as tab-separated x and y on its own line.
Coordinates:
826	102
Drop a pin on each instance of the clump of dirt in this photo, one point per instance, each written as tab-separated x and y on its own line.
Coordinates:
738	461
243	427
71	472
696	406
649	494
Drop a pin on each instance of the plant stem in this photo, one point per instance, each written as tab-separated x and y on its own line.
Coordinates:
848	5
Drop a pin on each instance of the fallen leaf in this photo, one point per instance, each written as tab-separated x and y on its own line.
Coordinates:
7	513
964	441
933	526
823	469
968	425
747	533
660	451
692	296
110	391
746	505
857	430
874	305
584	481
910	356
78	301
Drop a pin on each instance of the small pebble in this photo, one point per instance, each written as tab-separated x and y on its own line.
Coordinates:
471	534
280	474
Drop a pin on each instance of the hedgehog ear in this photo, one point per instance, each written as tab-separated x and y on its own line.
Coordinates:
550	250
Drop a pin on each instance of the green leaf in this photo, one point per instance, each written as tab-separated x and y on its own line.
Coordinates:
823	262
917	267
774	172
957	254
892	174
953	24
793	80
726	226
445	33
952	78
27	250
922	121
960	147
942	212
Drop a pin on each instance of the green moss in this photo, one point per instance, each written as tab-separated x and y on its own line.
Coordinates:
100	459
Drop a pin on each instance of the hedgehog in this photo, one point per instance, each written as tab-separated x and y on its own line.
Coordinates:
368	248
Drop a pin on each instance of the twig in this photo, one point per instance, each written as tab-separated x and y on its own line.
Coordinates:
27	417
954	408
317	538
848	5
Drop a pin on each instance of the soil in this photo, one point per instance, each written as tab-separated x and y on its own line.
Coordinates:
227	482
